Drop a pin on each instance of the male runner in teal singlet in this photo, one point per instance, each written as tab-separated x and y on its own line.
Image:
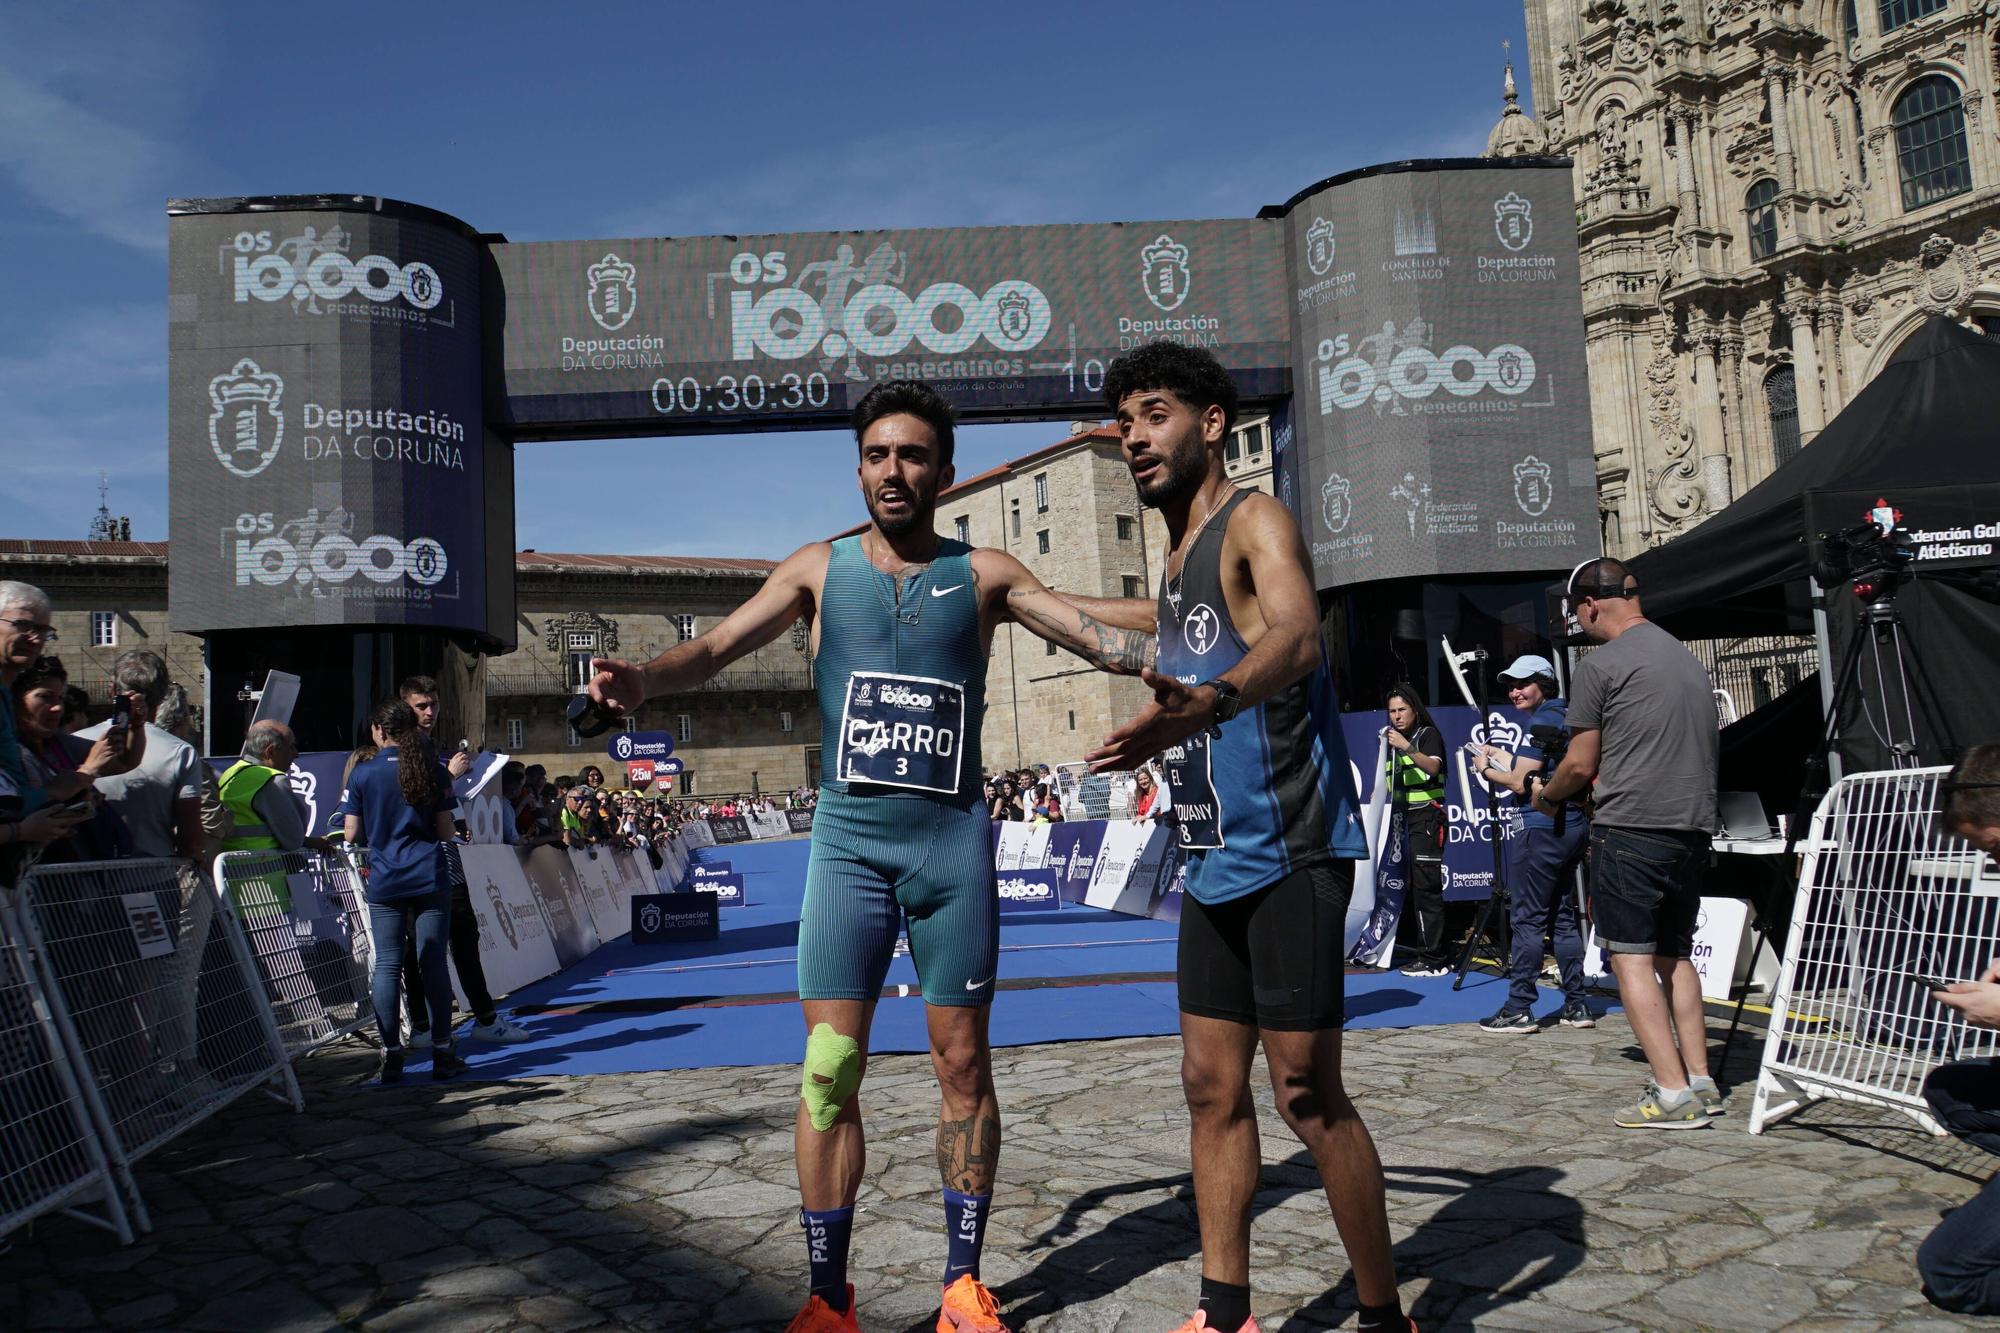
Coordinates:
1245	720
902	620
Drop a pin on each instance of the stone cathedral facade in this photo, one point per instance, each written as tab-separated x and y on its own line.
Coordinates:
1770	195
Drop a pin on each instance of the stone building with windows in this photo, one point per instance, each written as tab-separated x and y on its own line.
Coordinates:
1770	195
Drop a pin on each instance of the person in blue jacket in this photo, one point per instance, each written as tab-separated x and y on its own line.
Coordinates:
400	805
1541	863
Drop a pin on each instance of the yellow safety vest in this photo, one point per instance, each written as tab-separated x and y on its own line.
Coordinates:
238	788
1410	785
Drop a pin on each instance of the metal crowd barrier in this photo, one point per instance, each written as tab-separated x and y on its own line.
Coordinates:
1884	896
153	988
307	925
51	1154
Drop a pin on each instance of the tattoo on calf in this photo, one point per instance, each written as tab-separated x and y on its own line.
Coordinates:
968	1153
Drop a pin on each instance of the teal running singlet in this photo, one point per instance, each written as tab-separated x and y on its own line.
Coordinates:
901	831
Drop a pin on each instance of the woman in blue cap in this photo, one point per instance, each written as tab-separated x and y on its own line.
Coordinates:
1540	862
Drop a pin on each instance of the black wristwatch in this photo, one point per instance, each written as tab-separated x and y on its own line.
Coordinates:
1228	702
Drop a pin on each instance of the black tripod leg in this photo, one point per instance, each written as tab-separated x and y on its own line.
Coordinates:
1479	928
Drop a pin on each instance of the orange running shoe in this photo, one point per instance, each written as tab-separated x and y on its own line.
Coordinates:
968	1307
1199	1324
819	1317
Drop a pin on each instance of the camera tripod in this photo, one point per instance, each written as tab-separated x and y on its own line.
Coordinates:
1880	630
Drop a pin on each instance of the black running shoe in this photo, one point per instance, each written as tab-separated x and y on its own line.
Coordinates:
446	1064
1510	1020
392	1067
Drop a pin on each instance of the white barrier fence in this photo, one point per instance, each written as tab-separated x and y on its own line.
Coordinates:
153	991
1884	897
306	923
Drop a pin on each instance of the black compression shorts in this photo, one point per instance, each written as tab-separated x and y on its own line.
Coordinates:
1270	958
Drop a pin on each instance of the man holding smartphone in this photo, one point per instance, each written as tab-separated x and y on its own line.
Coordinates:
1960	1261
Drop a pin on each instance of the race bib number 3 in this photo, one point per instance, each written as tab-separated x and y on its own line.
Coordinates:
902	731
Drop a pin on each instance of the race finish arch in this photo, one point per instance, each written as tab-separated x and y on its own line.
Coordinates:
348	375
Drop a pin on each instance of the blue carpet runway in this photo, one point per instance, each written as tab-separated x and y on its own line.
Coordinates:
1064	976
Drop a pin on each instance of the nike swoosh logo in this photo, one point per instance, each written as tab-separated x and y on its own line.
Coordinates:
939	592
978	985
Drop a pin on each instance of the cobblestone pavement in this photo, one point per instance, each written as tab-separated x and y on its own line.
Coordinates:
666	1200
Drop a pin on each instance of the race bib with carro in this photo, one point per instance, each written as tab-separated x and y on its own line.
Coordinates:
902	731
1196	809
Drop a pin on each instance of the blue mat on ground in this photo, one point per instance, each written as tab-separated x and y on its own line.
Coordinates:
1077	974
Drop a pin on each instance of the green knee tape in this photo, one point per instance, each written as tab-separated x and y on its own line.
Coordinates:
836	1059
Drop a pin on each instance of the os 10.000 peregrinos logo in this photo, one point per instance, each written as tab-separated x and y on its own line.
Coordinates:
318	554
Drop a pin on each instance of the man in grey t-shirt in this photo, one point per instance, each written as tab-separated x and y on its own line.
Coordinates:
1643	725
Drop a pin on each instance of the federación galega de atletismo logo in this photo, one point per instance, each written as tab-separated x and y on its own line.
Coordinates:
245	428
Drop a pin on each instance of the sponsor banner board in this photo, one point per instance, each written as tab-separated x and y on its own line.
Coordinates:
1440	413
711	866
555	887
799	821
515	946
627	746
674	918
600	899
767	824
729	828
1072	854
1028	891
697	833
728	889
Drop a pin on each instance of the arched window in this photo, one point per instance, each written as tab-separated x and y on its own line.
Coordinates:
1760	212
1893	14
1930	142
1781	395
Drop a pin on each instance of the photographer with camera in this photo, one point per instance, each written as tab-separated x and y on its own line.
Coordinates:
1540	856
1642	724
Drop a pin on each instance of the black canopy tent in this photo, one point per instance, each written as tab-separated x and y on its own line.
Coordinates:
1923	440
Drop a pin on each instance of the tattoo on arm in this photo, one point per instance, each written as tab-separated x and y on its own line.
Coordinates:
1120	651
968	1153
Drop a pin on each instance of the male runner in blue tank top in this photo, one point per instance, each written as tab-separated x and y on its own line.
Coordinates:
902	620
1245	718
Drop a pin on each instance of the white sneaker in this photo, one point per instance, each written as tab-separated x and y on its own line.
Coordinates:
416	1041
501	1031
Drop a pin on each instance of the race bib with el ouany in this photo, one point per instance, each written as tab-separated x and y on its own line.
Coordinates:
1196	808
902	731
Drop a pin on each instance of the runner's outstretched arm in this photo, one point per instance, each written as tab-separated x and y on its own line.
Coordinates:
1284	648
1121	612
1017	595
791	591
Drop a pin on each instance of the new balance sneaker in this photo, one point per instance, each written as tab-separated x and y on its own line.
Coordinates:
819	1317
1422	968
1199	1324
1653	1112
415	1039
968	1307
1510	1020
1709	1095
1576	1014
446	1064
501	1031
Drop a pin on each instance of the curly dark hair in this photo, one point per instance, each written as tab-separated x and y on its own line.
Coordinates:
416	762
1191	374
913	398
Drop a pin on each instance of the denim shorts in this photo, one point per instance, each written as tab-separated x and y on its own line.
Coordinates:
1645	888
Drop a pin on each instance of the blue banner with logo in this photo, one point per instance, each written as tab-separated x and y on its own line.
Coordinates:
666	918
1469	832
1072	853
1028	891
625	746
728	889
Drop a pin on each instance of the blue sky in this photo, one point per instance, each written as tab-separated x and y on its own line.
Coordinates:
553	122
